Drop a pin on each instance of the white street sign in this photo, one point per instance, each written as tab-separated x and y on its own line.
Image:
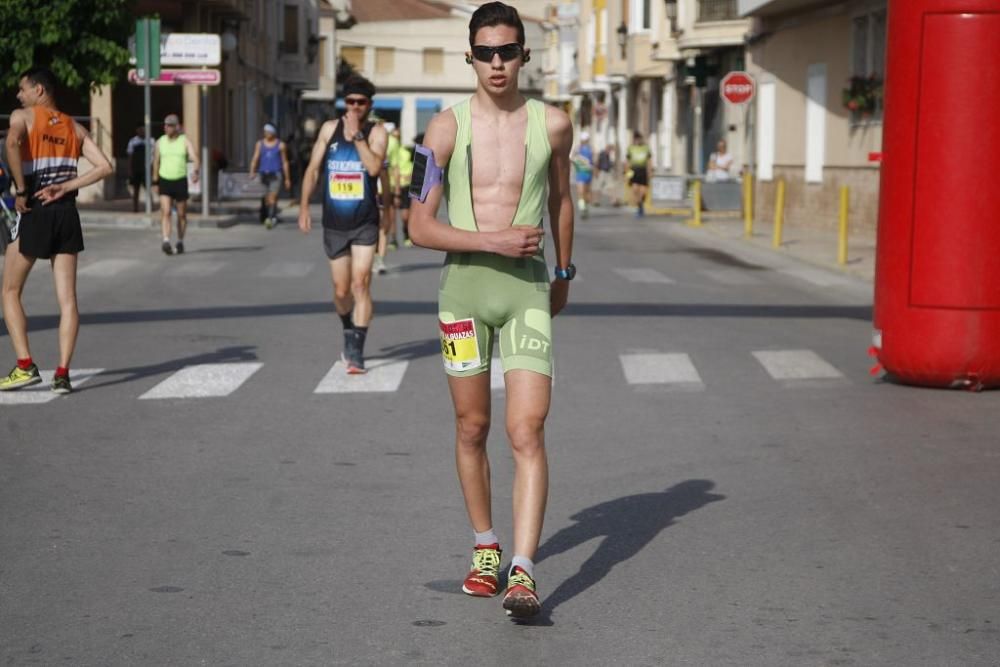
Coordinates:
191	49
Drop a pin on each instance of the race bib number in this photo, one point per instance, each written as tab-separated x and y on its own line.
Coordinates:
459	345
347	186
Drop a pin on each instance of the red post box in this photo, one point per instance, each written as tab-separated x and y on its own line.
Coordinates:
937	276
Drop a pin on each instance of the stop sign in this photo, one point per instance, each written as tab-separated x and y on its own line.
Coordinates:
737	87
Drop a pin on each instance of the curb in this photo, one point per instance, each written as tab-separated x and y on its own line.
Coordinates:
112	220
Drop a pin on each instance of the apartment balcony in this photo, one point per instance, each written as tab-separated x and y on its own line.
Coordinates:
714	24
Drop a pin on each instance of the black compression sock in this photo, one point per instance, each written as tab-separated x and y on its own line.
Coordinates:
362	332
346	321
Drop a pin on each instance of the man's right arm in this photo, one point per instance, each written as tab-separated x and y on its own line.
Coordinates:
426	231
254	159
311	174
18	132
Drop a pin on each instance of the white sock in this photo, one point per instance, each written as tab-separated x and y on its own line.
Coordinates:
166	239
487	537
523	563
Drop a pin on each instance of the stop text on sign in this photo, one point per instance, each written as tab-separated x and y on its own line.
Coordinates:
737	87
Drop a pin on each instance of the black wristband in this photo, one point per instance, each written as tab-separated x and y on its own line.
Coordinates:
21	193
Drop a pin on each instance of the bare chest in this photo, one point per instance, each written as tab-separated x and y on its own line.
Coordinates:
498	155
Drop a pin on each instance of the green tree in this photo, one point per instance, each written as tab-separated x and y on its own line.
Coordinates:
84	42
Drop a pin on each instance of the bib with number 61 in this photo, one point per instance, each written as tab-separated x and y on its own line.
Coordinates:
459	345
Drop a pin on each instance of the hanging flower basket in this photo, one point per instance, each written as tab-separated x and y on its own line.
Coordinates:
862	95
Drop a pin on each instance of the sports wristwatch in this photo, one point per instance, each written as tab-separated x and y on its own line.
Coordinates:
358	136
566	274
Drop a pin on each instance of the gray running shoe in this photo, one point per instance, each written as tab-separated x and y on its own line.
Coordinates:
167	250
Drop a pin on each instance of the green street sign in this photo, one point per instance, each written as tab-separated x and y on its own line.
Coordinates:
147	41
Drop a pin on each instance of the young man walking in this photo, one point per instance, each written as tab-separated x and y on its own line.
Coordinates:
583	164
44	146
499	151
170	158
349	152
639	163
270	162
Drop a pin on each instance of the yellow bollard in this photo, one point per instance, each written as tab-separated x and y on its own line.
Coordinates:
842	240
747	205
779	213
696	203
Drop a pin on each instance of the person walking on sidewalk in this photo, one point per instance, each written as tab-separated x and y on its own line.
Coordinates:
170	158
137	149
44	147
270	162
498	151
350	152
639	162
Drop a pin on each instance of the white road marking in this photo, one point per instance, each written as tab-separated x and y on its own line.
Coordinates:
198	268
815	276
644	276
287	270
107	268
42	393
384	375
796	365
204	380
650	368
732	276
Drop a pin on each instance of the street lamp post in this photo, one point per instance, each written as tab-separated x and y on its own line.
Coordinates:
622	33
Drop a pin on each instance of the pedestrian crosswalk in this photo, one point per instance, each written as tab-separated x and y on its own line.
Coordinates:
640	370
196	267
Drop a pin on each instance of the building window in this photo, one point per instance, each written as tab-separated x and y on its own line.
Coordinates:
717	10
868	63
640	15
353	56
290	43
433	61
321	58
384	59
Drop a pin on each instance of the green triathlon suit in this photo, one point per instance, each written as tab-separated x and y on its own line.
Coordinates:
481	292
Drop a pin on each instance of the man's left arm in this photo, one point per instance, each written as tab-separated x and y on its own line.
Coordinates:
372	151
193	155
560	202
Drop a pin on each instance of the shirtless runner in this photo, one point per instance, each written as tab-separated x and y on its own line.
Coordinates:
495	278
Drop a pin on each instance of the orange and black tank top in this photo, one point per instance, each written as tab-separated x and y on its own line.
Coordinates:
52	152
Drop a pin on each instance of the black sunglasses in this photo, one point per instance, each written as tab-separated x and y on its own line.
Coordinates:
356	101
507	52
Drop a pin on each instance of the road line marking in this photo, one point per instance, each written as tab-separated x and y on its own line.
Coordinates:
384	375
649	368
644	276
186	268
204	380
107	268
796	365
732	276
815	276
42	393
287	270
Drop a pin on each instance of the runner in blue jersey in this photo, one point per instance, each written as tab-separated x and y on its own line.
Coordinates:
583	164
349	153
270	162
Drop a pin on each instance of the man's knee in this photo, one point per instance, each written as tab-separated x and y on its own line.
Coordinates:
471	430
360	284
342	291
526	434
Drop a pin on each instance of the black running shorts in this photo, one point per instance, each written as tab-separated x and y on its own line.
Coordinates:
50	230
639	176
175	189
337	242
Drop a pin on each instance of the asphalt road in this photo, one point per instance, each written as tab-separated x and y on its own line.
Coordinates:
729	485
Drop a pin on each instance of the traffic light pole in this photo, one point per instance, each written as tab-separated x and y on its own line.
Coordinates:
147	103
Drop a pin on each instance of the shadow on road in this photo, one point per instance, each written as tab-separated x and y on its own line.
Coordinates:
325	308
627	525
222	355
244	248
429	347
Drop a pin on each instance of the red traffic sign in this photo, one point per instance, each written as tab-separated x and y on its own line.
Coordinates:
738	87
180	77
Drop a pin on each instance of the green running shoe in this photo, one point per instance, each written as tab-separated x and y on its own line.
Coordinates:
61	385
18	378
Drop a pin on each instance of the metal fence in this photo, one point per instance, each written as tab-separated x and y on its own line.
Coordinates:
717	10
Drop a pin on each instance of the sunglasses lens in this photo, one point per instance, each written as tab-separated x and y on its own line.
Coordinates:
507	52
355	101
